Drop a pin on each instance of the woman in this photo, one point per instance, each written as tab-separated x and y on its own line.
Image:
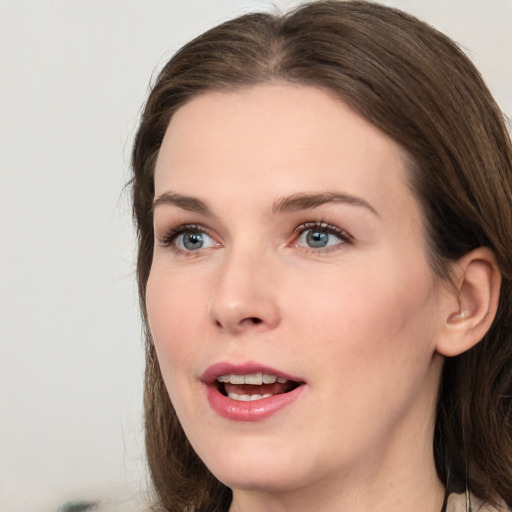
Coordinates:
323	204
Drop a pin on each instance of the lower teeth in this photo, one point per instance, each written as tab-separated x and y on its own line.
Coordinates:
247	398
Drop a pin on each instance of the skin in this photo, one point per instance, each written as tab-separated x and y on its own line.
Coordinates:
358	320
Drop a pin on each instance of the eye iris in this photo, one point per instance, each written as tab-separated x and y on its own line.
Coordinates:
317	238
193	240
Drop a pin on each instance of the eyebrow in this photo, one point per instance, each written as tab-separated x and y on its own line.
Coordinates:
297	202
190	204
292	203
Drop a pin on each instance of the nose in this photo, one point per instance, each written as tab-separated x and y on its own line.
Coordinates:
245	295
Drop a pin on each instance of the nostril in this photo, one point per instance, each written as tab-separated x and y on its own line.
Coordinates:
249	320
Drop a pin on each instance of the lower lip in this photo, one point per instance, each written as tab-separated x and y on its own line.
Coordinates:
256	410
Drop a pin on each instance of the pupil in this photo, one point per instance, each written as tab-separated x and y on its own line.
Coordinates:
193	240
317	238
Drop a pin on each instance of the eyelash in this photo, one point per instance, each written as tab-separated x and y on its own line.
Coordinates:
171	234
169	238
344	236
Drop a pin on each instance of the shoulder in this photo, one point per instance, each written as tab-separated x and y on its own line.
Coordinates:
457	503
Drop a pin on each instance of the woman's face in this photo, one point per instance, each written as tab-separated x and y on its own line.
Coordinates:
290	300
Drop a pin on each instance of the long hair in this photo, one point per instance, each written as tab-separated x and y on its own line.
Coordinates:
418	87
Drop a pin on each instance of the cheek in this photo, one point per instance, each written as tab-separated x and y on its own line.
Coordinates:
387	311
369	338
174	320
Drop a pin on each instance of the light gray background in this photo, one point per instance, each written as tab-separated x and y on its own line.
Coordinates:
73	75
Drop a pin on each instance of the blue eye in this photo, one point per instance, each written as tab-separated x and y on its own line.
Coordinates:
321	236
192	240
318	239
188	238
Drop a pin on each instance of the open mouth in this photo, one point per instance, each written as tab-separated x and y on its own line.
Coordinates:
253	386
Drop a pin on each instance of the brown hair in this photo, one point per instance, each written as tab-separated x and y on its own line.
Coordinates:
415	85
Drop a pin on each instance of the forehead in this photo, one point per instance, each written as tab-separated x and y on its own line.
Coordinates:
276	139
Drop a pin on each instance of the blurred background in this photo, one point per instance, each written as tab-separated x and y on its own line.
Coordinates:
73	76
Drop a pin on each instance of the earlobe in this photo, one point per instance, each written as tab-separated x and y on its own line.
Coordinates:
471	302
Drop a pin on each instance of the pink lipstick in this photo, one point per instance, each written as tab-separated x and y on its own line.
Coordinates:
250	391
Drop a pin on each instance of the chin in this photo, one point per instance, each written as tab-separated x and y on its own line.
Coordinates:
261	480
258	465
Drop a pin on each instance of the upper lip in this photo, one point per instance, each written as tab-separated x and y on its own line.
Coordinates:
227	368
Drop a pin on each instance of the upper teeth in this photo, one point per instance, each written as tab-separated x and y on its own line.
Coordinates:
256	379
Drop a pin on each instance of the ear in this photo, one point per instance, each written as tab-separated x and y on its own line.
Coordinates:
470	303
